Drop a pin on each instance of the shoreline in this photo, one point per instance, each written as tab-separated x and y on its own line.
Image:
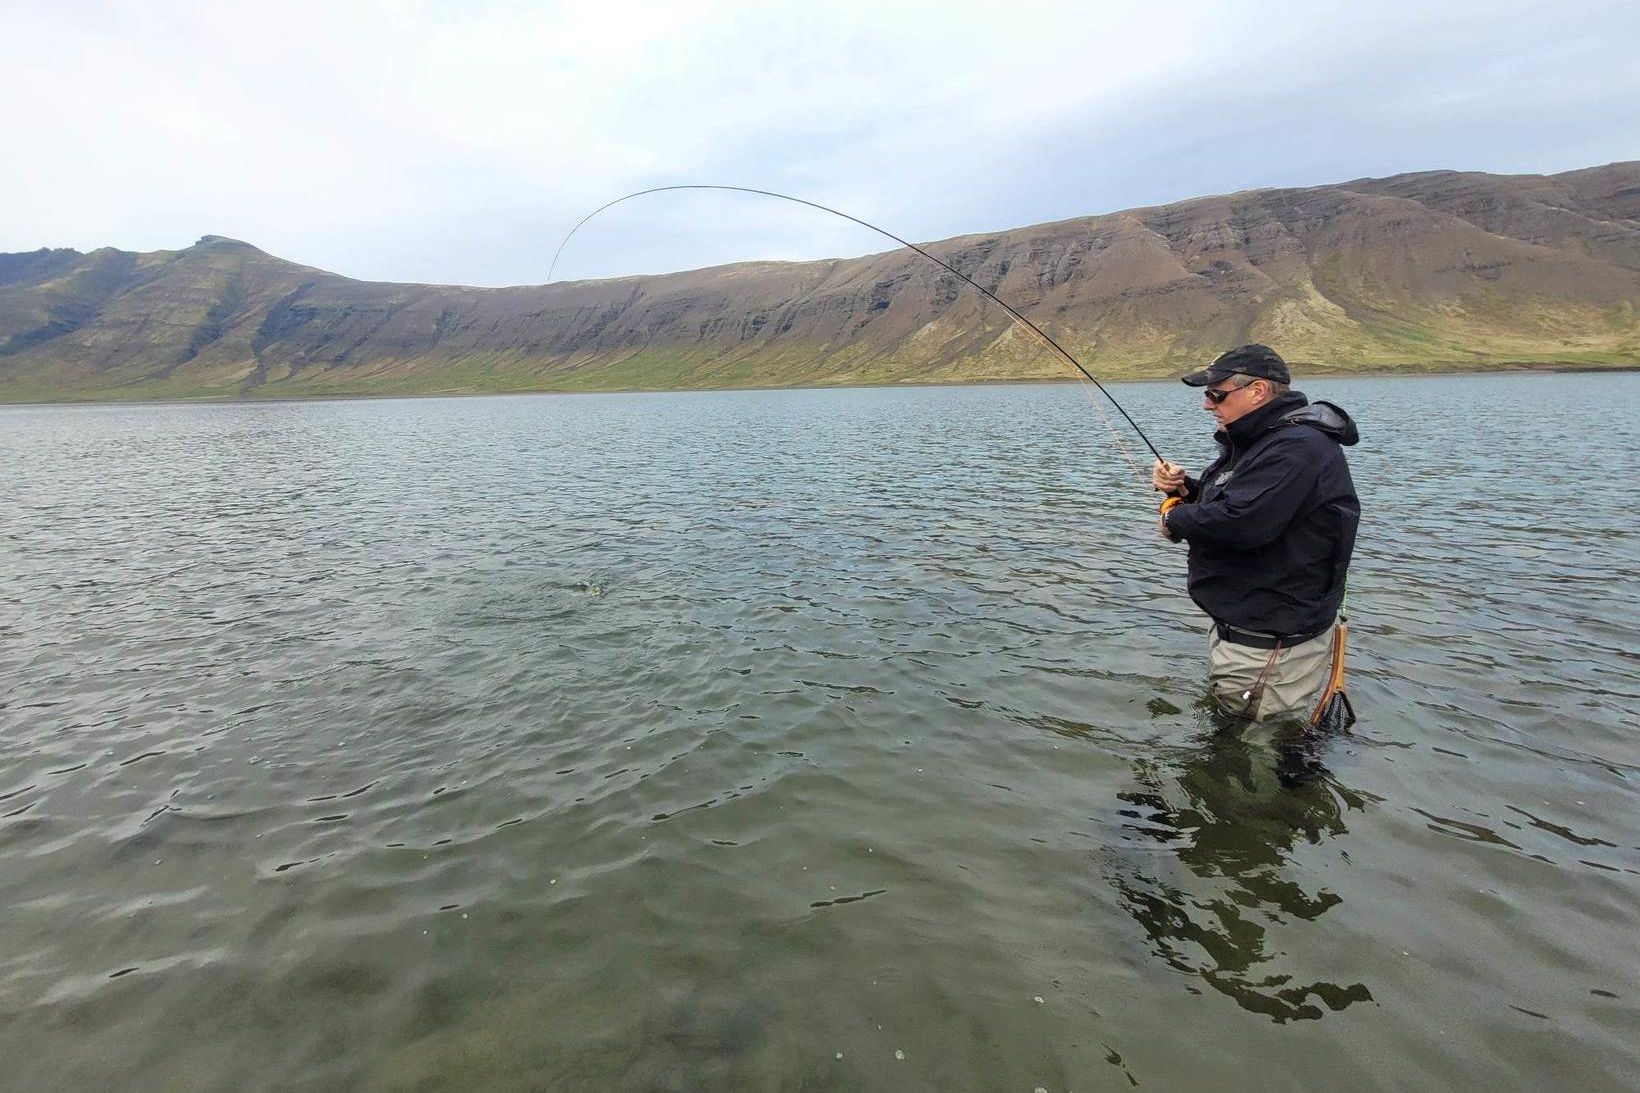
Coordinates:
1523	369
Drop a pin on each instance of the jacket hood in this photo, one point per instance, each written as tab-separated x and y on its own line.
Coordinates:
1327	417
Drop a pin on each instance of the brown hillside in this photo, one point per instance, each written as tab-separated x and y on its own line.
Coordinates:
1437	269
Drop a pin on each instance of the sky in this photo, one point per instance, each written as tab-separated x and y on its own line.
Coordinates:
457	143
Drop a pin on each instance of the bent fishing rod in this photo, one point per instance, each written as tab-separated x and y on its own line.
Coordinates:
1032	327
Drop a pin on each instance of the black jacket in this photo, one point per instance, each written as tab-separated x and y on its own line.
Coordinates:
1271	523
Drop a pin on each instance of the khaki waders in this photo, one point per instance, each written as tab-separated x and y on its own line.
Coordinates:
1265	684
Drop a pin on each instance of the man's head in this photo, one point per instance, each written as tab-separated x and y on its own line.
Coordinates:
1240	380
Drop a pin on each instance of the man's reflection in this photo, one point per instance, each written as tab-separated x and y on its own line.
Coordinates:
1246	802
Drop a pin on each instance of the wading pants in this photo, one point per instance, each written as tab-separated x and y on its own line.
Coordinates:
1246	682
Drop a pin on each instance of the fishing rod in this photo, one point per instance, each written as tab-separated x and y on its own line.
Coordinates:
1032	327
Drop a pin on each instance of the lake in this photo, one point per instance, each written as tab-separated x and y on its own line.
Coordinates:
839	739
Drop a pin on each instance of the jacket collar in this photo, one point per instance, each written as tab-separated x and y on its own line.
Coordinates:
1254	424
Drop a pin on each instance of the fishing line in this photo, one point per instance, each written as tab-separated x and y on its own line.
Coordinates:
1046	340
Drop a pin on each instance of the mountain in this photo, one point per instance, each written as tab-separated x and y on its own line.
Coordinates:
1434	270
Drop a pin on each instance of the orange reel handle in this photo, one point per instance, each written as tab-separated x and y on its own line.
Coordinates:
1168	502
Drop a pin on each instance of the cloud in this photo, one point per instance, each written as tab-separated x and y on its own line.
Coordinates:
424	141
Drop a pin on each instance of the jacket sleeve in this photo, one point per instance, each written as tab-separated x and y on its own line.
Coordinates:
1258	502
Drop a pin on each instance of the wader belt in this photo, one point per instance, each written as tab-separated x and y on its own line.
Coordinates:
1259	640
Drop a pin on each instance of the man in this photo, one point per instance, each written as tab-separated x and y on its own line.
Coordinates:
1271	526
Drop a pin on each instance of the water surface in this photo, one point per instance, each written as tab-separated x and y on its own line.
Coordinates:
799	740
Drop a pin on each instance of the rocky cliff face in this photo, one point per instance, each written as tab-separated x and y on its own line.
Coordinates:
1437	269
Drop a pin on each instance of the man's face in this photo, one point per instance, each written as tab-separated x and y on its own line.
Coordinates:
1239	396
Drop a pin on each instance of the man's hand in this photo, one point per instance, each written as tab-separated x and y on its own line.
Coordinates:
1161	524
1167	477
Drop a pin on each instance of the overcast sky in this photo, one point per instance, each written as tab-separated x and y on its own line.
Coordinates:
457	142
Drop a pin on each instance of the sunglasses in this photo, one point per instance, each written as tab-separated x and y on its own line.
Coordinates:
1216	396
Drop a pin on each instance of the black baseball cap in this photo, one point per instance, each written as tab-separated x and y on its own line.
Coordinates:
1257	361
